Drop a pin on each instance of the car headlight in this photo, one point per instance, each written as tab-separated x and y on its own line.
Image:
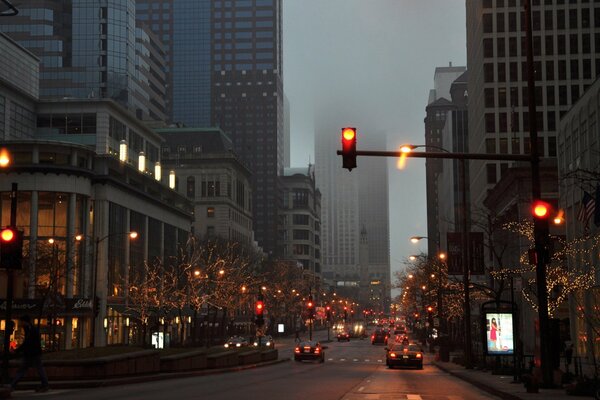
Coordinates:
238	345
226	344
268	343
256	343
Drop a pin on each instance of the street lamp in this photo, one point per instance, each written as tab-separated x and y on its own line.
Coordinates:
465	246
415	239
132	235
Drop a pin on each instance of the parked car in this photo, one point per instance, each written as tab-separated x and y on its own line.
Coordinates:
266	341
236	342
309	350
404	356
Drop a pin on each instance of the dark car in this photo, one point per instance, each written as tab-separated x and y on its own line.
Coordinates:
236	342
379	336
343	336
309	350
404	356
265	341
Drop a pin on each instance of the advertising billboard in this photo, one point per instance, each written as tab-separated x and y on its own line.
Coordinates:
499	339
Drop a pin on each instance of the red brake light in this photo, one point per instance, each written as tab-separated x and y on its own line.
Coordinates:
317	350
297	350
393	355
419	355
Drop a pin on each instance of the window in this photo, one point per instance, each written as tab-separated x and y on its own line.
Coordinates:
487	23
490	123
491	173
300	219
191	187
210	212
489	97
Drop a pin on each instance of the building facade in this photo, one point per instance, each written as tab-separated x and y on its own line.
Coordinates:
214	178
565	38
300	233
578	170
83	186
86	50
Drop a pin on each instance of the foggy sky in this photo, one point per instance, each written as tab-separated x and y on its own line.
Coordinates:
370	63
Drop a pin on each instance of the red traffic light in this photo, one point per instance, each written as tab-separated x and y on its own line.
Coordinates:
429	309
309	304
328	308
349	148
540	209
260	306
7	234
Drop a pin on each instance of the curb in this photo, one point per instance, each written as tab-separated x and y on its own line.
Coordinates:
486	388
145	378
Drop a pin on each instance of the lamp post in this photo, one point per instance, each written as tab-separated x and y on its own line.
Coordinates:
132	235
465	247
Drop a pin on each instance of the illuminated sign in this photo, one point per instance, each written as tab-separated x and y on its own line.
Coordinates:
499	338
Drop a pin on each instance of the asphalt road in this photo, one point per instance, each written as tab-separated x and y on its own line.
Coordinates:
352	371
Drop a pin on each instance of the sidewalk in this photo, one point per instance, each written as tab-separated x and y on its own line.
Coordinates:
501	385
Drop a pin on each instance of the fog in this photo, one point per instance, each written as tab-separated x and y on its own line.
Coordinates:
372	63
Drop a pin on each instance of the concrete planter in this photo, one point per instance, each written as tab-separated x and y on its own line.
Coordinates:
222	360
249	357
191	361
269	355
135	363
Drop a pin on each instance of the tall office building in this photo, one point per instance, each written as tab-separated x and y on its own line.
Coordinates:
566	37
86	49
373	210
340	223
438	107
225	66
354	217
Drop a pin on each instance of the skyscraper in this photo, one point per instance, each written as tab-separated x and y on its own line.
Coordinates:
86	49
565	41
225	66
354	210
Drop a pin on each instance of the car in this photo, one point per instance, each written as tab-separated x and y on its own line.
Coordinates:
343	336
379	336
236	342
309	350
404	356
266	341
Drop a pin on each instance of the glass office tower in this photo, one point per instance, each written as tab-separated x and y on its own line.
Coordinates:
224	62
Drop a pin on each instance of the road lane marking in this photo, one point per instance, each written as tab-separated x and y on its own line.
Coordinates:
342	359
330	359
379	361
355	359
360	389
413	397
367	360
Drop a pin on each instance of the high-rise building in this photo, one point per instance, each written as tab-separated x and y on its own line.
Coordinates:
340	223
566	35
86	49
353	204
373	210
438	106
225	66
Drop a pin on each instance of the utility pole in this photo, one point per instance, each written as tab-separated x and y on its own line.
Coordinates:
8	326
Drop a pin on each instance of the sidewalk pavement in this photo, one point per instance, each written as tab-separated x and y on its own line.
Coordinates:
500	385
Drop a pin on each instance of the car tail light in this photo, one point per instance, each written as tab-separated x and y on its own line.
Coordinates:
419	355
372	337
405	350
317	350
393	355
297	350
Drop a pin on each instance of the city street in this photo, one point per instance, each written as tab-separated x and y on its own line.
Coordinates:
352	371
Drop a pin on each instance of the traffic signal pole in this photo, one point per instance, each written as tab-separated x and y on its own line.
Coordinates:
540	228
8	325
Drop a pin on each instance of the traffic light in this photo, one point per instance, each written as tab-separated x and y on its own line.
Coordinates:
328	312
349	148
429	309
310	306
541	209
259	308
11	248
